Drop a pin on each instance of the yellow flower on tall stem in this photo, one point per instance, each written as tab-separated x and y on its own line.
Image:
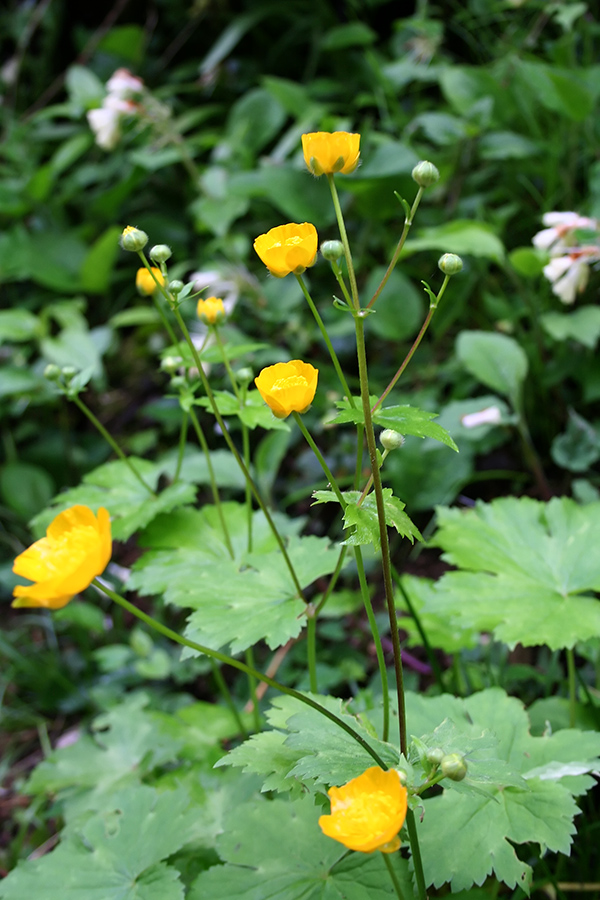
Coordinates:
76	549
326	153
211	310
145	283
368	812
288	387
288	248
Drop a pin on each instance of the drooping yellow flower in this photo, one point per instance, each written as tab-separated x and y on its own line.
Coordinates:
288	248
326	153
368	812
211	310
77	547
145	283
288	387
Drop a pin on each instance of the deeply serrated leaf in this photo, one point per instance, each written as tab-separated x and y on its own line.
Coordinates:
276	850
531	568
116	856
404	419
363	519
116	488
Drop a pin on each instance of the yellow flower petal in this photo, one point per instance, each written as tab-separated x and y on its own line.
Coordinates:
77	547
326	153
211	310
145	283
288	248
288	387
368	812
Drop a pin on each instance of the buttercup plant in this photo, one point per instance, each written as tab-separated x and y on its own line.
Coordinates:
246	577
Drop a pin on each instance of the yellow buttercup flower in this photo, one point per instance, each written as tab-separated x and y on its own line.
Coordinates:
288	248
368	812
288	387
77	547
326	153
211	310
145	283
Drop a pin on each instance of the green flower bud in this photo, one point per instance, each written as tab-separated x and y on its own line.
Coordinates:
176	287
332	250
402	776
52	372
435	756
450	264
133	239
425	173
69	372
391	440
171	363
454	767
178	382
244	375
160	253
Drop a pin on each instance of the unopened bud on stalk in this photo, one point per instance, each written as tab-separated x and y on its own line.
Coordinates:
52	372
435	756
391	440
176	287
450	264
171	363
425	173
454	767
178	382
332	250
133	239
244	375
160	253
69	372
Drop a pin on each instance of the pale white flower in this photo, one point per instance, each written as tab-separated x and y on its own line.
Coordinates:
569	276
105	121
559	235
123	84
491	415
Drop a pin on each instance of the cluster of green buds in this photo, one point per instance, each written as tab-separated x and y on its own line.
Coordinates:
68	380
450	765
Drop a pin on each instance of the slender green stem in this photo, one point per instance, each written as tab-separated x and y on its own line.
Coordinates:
111	441
227	364
235	452
249	510
252	685
213	481
344	236
366	598
572	686
435	666
407	223
383	535
226	695
413	837
529	452
326	338
333	579
432	308
311	646
161	311
369	483
390	867
181	452
238	664
330	478
340	280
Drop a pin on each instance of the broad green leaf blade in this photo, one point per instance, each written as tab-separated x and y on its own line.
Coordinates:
404	419
446	634
463	236
500	813
116	856
114	487
496	360
276	850
306	750
530	569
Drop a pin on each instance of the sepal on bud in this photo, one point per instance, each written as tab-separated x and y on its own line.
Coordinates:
425	173
133	239
450	264
160	253
453	766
